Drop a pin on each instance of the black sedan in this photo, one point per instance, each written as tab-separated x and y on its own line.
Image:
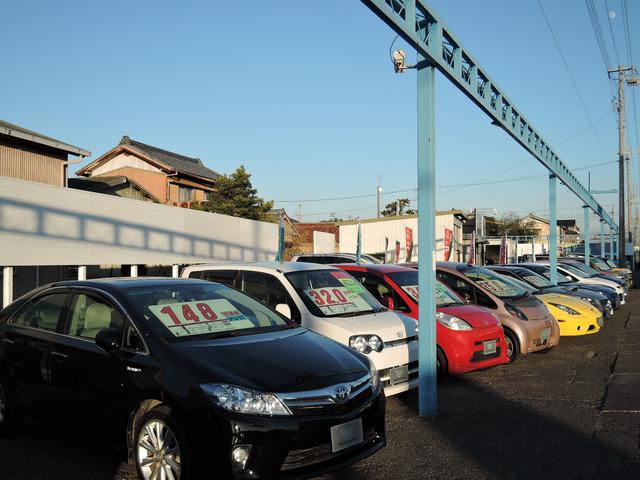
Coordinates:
189	377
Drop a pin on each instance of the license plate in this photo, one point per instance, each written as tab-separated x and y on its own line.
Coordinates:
346	435
600	321
544	335
399	375
489	347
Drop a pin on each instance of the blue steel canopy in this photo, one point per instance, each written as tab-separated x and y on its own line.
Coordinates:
419	26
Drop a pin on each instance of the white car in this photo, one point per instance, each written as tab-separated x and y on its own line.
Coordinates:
329	301
577	275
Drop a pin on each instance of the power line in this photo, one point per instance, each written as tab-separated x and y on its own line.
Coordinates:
613	38
597	31
571	137
573	82
627	37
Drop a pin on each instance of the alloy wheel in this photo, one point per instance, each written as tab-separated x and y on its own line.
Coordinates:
158	452
509	347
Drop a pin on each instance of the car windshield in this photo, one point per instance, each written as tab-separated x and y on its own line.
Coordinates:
333	293
496	284
536	280
525	285
575	271
585	268
202	310
562	279
408	281
601	264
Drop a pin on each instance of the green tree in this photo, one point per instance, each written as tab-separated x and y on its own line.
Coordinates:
390	208
514	225
235	196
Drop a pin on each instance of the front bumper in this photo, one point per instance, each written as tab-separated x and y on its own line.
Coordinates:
397	353
465	349
535	343
583	325
298	446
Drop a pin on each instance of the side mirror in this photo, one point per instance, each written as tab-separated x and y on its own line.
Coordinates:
108	339
284	309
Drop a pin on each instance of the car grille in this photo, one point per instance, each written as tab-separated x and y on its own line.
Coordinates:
479	356
402	341
321	453
324	400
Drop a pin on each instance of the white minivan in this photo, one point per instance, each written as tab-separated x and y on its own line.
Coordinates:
329	301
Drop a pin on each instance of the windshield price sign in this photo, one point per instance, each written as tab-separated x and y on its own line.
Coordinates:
412	291
332	300
195	318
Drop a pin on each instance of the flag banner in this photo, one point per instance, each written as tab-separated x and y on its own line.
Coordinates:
386	248
359	244
397	252
502	260
409	242
472	250
448	243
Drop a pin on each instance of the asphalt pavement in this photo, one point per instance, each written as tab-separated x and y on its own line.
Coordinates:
573	412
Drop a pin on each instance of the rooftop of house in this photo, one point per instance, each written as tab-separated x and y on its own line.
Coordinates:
181	163
101	184
22	133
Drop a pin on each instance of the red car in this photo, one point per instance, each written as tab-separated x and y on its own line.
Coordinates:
469	337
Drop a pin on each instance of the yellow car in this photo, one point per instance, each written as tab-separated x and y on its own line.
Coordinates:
574	316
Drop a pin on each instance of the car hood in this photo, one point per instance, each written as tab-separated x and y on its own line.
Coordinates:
284	361
477	317
531	305
388	325
568	301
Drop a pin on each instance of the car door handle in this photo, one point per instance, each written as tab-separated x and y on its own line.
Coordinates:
59	355
8	341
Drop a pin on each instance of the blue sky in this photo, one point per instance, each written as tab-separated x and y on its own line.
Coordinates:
303	93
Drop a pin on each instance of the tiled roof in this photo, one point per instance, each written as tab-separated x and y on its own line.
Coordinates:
180	163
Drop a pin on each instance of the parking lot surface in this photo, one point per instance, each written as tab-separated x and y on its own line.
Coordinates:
573	412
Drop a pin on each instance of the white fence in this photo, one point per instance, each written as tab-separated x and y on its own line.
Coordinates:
324	242
48	225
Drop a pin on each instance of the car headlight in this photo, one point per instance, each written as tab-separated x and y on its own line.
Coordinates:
516	312
565	309
375	377
242	400
454	323
366	343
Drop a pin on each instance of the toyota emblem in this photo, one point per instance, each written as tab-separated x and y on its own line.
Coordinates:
341	393
400	334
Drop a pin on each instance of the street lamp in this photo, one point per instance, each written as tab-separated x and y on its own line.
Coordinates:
378	192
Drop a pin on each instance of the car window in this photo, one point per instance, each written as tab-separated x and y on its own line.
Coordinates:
88	314
332	293
269	291
381	290
483	300
43	313
455	283
226	277
202	310
196	274
131	339
492	282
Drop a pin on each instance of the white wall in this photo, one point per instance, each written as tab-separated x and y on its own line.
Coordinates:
374	233
324	242
48	225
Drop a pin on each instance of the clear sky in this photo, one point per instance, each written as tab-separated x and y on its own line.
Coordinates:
304	95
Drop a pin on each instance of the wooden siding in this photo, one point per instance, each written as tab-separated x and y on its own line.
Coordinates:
154	182
123	160
36	165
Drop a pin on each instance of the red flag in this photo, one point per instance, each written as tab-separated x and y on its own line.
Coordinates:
503	251
448	237
409	242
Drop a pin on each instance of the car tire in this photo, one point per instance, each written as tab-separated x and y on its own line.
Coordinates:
513	345
442	365
6	416
160	443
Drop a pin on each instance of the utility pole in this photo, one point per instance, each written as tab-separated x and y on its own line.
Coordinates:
622	237
378	192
